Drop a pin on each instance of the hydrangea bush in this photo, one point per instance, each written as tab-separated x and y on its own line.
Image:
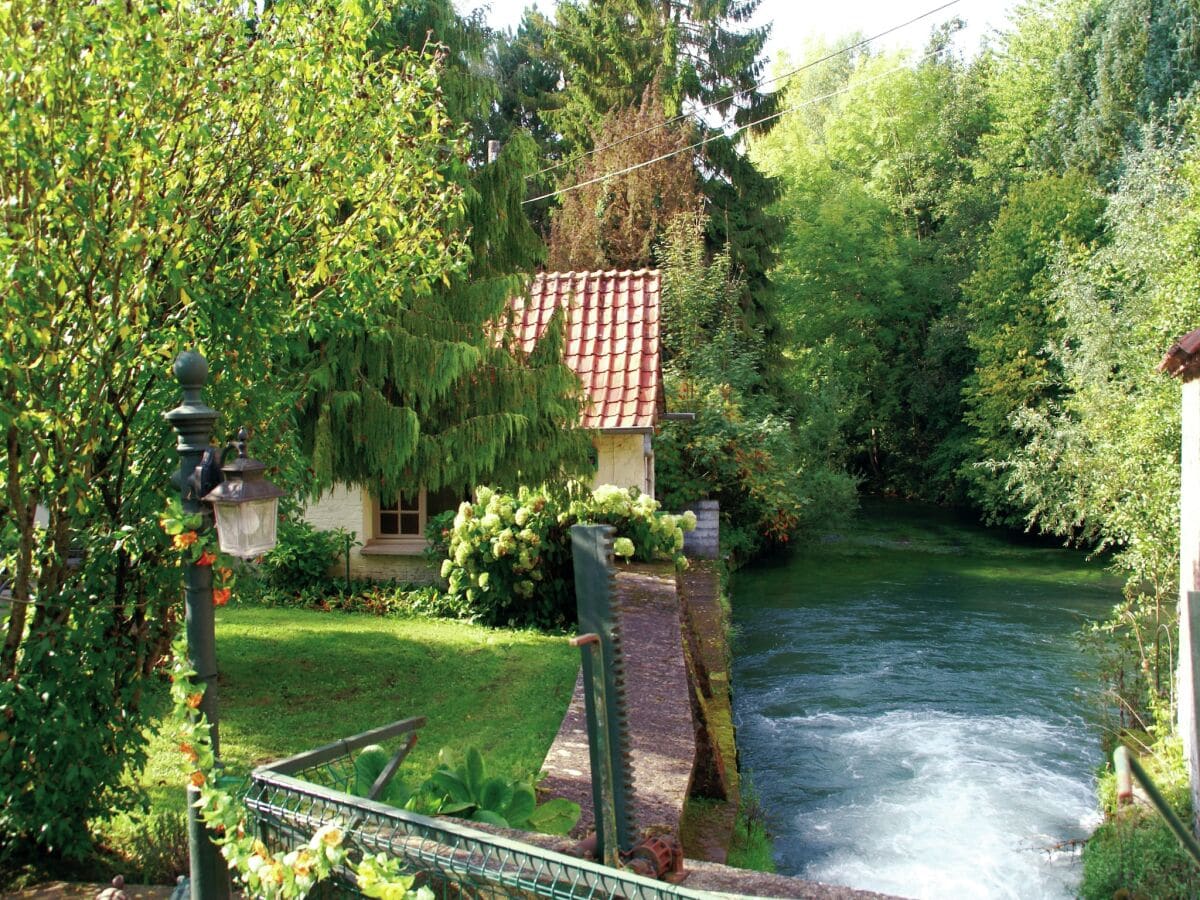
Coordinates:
509	556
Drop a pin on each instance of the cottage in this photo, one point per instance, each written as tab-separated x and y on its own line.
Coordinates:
611	343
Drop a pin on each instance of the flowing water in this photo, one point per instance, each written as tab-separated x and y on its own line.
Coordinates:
915	711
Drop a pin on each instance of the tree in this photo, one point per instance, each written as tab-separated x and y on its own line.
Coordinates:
1100	464
774	475
617	223
527	81
1127	63
173	179
695	54
877	203
438	396
1013	323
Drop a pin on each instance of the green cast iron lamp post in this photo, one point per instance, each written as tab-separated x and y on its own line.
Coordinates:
246	506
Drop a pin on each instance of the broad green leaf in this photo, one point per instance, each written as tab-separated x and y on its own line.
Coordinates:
521	805
452	786
474	772
495	795
557	816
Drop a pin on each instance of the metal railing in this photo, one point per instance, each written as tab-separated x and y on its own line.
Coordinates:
289	800
1126	764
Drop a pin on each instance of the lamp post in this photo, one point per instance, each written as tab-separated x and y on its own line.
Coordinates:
246	507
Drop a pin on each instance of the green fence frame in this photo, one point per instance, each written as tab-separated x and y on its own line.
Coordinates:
289	800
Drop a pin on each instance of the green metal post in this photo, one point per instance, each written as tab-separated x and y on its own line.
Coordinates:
1124	762
193	422
604	687
603	778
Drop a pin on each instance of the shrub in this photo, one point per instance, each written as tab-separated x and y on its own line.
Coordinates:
376	598
773	483
508	556
303	557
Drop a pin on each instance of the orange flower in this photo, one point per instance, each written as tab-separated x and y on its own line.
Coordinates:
193	700
221	596
198	779
225	573
207	558
190	752
185	540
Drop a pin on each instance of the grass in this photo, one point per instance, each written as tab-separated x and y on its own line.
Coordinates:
752	846
1134	853
294	679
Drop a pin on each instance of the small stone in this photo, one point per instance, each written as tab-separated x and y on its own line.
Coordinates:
115	892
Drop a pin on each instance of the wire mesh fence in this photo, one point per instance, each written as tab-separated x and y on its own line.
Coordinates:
289	801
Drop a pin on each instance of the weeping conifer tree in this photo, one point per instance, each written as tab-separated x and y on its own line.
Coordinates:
439	396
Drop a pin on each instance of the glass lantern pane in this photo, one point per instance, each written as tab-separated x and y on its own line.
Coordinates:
247	529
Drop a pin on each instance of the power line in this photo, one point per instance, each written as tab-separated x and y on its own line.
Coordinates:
713	137
808	65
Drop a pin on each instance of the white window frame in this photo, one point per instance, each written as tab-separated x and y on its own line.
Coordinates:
402	544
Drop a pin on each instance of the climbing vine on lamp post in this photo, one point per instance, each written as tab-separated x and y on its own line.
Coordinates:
267	874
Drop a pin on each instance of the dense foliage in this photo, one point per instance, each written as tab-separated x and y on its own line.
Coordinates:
774	476
173	178
435	396
509	555
983	263
704	61
618	223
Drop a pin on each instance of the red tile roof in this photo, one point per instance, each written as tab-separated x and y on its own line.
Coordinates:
1183	359
611	336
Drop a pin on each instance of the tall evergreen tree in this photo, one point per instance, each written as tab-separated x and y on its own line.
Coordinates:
435	396
698	55
526	77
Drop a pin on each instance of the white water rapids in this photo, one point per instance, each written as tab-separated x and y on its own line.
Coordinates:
916	715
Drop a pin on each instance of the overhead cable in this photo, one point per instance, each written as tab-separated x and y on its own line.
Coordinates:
808	65
712	137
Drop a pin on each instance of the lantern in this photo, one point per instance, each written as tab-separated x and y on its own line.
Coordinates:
246	506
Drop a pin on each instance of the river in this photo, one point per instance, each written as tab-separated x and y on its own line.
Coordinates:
914	710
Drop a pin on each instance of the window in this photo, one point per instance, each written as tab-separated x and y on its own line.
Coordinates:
401	517
399	521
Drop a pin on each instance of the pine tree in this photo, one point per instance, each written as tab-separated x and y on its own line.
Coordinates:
526	77
695	54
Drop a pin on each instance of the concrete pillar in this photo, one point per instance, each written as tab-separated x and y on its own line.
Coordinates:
705	541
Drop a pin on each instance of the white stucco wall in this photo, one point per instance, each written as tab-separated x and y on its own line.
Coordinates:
350	508
626	461
1189	581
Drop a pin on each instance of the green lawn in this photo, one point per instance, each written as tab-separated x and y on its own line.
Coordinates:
294	679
